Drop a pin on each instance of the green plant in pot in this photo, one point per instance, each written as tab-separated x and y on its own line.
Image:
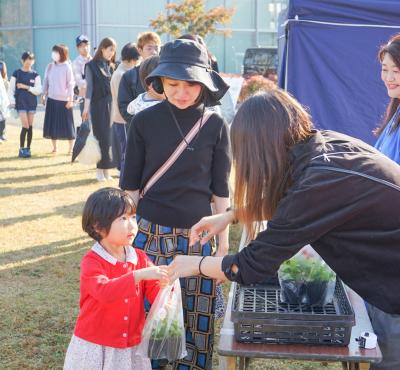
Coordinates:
166	340
306	281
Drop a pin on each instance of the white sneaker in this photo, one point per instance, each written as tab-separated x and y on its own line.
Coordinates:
100	175
107	175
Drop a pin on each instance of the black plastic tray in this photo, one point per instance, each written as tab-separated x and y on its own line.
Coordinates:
260	317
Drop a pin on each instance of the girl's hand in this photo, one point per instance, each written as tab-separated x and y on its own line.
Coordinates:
209	227
85	116
69	105
153	273
11	106
44	99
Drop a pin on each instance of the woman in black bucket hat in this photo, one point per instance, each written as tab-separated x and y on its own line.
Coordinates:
190	144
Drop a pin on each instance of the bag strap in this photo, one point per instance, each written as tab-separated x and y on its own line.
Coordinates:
176	154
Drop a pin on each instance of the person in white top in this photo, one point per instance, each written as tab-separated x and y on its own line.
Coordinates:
78	67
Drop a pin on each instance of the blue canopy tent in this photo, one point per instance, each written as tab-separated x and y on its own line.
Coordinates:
328	60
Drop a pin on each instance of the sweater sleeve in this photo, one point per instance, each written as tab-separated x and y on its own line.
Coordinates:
46	79
221	164
100	287
134	157
151	287
303	216
70	81
37	88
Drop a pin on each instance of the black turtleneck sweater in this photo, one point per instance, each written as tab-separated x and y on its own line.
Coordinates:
182	195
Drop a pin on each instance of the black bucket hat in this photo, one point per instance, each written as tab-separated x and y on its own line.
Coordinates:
187	60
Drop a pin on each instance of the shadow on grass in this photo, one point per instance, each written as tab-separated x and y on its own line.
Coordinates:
69	211
10	169
30	255
16	158
10	180
8	191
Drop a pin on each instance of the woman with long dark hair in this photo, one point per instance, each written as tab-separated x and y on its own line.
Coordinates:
98	101
389	134
322	188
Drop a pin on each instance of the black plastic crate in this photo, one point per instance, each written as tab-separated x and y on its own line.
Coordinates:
259	316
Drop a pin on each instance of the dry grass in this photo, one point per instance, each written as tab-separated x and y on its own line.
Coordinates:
42	243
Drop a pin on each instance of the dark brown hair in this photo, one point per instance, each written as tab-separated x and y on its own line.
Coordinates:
102	208
264	130
104	44
63	51
146	67
393	49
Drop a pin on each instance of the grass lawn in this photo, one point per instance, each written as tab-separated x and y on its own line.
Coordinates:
42	243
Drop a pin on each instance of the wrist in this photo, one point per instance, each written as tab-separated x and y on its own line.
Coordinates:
137	276
231	215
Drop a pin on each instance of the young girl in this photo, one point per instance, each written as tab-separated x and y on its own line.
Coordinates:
25	85
182	195
114	280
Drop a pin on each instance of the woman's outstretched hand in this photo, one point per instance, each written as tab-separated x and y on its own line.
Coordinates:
209	226
183	266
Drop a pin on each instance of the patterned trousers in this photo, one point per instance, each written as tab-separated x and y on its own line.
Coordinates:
161	245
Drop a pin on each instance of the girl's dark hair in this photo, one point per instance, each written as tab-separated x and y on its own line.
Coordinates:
102	208
63	51
104	44
130	52
393	49
27	55
263	131
146	67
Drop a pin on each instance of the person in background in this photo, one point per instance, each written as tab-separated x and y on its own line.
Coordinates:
148	44
98	100
322	188
3	76
389	133
129	57
25	86
58	95
150	97
78	66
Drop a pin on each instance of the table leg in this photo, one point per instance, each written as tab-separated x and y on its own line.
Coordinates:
244	363
355	365
227	363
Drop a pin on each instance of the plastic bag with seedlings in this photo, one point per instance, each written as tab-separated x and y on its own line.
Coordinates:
163	335
306	279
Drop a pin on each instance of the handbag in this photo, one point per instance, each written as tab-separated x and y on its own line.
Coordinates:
176	154
90	154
